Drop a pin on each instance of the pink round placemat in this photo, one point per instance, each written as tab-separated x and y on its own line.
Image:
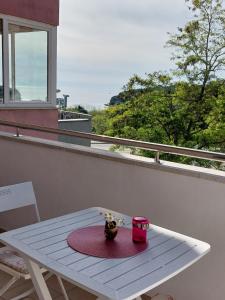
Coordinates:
91	241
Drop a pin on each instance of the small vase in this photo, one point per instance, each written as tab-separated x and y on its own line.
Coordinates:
111	230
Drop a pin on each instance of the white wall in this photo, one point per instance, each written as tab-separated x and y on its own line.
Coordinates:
69	178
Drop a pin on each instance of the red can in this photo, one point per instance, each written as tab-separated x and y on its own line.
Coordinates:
139	231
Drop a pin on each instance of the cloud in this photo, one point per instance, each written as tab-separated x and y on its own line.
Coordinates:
103	43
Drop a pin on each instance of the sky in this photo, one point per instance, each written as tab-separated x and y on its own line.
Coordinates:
102	43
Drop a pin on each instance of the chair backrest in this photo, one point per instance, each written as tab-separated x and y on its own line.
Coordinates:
16	196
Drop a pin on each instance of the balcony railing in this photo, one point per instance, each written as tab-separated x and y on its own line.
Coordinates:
157	148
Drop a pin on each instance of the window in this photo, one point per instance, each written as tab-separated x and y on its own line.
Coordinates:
1	67
28	64
28	53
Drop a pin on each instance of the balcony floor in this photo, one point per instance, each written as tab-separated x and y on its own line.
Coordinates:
23	285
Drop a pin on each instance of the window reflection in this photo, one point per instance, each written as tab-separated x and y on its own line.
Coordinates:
28	63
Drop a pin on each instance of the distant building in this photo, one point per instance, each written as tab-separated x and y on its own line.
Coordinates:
62	103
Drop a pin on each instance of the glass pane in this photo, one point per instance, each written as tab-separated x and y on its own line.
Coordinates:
1	57
28	64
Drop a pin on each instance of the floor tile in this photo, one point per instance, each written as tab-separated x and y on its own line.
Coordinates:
4	277
80	294
14	291
54	284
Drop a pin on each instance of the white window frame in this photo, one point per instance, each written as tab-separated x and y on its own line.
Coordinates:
52	63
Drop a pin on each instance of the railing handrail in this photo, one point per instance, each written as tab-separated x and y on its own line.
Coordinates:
202	154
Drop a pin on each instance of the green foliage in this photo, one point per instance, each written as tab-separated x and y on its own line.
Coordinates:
99	122
169	114
189	112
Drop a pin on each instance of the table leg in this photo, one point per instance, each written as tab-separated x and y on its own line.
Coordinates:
38	280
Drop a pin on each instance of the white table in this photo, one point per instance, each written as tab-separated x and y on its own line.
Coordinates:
44	244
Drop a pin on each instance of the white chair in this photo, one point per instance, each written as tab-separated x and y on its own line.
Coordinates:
12	197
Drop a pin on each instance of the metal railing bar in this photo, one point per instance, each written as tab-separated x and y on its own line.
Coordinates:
201	154
157	157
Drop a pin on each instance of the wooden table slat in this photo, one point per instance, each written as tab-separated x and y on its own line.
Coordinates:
55	225
61	229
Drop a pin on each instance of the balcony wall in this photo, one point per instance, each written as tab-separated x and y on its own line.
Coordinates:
185	199
36	116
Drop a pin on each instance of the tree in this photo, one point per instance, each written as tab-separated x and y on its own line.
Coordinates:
163	115
200	57
99	121
200	45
